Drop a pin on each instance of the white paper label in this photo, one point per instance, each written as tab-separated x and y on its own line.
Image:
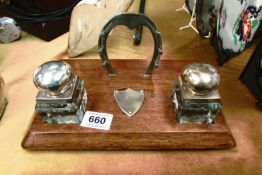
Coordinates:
97	120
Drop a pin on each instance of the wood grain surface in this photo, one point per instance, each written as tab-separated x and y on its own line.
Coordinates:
153	127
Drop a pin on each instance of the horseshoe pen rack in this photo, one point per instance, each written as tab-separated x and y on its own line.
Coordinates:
153	127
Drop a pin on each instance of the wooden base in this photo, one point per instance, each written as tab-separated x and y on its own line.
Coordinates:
153	127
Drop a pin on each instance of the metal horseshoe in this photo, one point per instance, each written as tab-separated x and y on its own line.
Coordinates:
132	21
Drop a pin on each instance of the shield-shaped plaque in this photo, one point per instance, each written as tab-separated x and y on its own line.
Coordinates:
129	100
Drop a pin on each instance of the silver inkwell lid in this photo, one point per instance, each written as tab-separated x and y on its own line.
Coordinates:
55	81
53	78
199	82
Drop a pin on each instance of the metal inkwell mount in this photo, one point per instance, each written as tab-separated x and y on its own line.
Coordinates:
61	98
128	99
195	96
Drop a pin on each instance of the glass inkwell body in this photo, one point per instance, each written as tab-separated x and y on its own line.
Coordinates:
62	97
196	98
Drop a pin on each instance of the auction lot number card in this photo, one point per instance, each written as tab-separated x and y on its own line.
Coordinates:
97	120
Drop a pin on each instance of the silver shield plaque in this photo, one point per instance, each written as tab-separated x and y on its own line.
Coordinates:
129	100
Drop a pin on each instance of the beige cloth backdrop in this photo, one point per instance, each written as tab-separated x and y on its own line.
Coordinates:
19	59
